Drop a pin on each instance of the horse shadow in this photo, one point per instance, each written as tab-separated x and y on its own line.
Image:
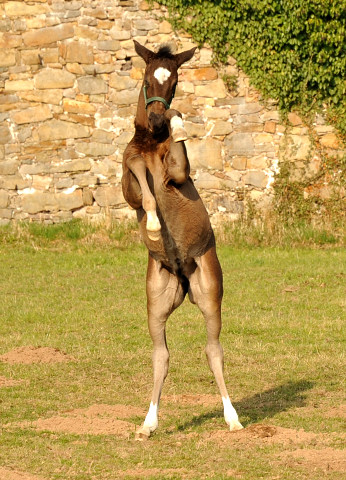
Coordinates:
262	405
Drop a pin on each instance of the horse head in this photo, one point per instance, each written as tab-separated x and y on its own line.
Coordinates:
160	81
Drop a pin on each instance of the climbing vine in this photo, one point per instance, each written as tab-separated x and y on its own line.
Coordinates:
293	50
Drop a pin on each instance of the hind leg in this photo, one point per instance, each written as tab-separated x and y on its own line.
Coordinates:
164	294
206	291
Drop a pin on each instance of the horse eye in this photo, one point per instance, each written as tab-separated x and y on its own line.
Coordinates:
146	83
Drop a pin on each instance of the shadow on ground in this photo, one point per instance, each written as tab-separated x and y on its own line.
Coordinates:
261	405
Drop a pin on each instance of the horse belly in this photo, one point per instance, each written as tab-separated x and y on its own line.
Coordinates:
186	220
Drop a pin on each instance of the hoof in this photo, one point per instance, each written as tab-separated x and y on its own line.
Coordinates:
154	235
142	434
235	425
179	134
153	226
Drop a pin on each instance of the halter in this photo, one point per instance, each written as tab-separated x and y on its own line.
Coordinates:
156	99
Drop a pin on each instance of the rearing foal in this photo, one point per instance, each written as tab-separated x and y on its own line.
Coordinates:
174	224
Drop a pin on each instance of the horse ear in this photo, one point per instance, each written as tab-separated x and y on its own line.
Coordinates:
184	56
143	52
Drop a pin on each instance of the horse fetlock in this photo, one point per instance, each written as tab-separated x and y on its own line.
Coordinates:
153	225
178	131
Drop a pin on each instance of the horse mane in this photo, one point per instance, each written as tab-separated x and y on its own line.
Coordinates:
165	51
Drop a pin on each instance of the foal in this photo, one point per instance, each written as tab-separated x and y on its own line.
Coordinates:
174	224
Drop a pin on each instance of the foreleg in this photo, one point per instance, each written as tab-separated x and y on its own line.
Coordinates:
176	161
136	164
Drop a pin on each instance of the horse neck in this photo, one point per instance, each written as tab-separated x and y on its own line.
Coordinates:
141	119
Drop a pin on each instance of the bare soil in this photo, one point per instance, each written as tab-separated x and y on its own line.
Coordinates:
8	474
30	354
9	382
95	420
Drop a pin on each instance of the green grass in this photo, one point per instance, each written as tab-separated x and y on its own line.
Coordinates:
82	290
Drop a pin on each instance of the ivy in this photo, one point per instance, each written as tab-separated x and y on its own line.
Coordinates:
293	50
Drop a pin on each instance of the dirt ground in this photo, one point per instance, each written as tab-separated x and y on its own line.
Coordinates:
307	449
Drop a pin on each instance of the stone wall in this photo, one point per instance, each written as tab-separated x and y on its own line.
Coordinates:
69	84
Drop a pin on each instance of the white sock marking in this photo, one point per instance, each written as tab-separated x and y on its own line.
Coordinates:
176	122
229	411
162	74
151	420
153	223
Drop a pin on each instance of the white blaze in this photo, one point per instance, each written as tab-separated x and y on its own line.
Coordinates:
162	74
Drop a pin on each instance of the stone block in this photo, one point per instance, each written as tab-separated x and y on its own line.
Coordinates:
33	201
92	85
8	40
263	138
121	82
22	9
5	135
70	200
270	127
257	163
32	115
144	24
109	45
216	113
54	78
124	97
18	85
215	89
78	52
198	74
299	147
9	167
221	128
207	181
74	106
194	129
330	140
48	35
4	199
294	119
108	196
256	178
58	130
95	149
204	153
7	58
239	163
51	96
120	34
240	144
88	198
72	166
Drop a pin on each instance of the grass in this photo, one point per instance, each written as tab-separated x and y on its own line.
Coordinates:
82	290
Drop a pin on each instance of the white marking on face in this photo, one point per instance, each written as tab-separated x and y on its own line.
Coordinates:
162	74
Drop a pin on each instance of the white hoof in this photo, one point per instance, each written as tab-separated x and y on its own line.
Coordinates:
153	226
142	434
235	425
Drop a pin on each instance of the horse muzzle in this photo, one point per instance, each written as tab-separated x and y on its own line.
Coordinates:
156	122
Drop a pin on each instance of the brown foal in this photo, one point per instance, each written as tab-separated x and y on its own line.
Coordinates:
174	224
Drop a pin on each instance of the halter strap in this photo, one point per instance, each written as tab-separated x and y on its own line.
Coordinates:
155	99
